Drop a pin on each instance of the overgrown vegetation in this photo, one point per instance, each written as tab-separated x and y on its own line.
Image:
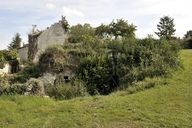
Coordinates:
136	60
10	56
165	105
30	71
105	58
67	90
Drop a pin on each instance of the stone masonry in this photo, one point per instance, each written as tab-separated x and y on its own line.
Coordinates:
39	41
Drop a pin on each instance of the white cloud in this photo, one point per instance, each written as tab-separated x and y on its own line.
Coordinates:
50	6
69	12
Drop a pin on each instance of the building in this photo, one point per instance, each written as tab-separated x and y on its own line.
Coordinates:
39	41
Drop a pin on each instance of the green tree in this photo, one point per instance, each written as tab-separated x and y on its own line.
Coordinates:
102	31
166	27
187	40
16	42
121	28
65	24
79	33
117	28
188	35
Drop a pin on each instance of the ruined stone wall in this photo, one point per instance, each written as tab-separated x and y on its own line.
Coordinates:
53	35
23	53
32	47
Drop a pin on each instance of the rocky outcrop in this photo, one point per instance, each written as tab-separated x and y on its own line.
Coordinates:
34	87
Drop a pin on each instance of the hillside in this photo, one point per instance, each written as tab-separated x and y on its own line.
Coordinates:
168	105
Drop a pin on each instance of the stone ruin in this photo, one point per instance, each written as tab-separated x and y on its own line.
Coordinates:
39	41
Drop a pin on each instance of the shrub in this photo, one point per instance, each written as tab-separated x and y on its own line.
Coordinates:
136	59
57	60
96	72
29	71
8	56
6	89
66	90
2	60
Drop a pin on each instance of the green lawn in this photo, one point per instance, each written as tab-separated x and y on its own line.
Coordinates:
168	105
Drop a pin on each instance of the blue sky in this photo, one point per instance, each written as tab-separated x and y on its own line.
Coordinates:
19	15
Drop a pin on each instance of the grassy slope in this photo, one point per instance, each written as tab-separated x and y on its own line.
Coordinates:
163	106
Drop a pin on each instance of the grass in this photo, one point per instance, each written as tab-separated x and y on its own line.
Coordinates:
165	105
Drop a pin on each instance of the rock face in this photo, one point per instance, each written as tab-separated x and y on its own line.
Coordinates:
48	79
41	40
35	87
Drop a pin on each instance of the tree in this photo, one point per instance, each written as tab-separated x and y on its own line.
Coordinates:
187	40
121	28
166	27
79	33
16	42
65	24
118	28
188	35
102	31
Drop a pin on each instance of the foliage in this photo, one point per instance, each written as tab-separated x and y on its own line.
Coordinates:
96	72
162	106
65	24
8	57
16	42
187	40
103	31
79	33
118	28
136	60
30	71
166	27
67	90
2	60
57	60
89	57
9	88
13	89
121	28
52	59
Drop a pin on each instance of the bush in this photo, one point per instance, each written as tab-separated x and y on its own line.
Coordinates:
136	59
96	72
102	62
66	90
8	57
12	89
56	60
29	71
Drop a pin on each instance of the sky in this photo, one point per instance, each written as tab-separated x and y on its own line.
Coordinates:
18	16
